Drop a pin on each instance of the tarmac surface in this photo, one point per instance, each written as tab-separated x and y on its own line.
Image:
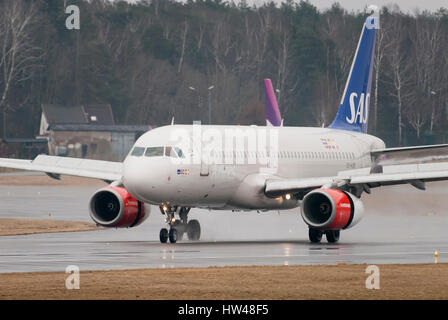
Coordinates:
228	239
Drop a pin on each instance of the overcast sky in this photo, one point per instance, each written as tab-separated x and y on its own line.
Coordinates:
405	5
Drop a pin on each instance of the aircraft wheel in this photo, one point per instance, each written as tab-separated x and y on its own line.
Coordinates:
173	235
332	235
163	236
314	235
194	230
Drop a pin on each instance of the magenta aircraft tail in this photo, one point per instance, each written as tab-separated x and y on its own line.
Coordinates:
273	116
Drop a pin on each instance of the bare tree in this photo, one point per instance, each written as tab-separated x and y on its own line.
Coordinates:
281	61
399	71
427	41
19	56
417	120
184	40
382	43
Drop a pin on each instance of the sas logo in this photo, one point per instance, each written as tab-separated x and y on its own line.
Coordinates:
329	143
183	172
358	108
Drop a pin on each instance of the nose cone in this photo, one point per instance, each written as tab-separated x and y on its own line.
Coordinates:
132	177
146	179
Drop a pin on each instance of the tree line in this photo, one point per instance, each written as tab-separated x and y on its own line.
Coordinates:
158	59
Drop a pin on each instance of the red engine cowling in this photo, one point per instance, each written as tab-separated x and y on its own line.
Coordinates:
331	209
115	207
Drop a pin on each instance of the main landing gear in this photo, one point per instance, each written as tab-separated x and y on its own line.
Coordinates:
178	227
315	235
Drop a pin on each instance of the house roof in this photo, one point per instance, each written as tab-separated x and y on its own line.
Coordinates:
25	140
97	114
98	127
58	114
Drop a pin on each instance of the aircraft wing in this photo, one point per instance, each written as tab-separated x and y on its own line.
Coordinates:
55	166
436	152
363	179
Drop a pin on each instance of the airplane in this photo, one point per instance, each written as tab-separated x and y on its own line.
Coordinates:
322	171
273	116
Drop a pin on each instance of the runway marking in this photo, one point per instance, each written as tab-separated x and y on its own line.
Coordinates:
308	255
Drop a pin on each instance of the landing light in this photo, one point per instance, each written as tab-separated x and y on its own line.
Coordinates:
288	196
173	220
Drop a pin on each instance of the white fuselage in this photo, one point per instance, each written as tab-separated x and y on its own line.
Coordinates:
228	183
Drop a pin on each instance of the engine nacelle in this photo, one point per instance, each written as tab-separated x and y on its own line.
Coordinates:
331	209
115	207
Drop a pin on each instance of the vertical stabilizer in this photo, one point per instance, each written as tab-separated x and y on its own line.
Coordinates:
353	113
273	116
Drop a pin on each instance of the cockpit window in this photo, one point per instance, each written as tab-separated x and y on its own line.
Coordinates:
169	152
179	152
138	151
154	152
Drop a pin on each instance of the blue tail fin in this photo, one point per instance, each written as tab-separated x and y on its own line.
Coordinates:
353	111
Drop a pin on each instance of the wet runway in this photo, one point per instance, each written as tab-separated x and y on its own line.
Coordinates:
227	238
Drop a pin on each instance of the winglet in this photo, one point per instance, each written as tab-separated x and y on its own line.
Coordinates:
273	116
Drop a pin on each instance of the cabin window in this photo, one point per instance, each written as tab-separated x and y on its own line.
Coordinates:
137	152
179	152
154	152
170	152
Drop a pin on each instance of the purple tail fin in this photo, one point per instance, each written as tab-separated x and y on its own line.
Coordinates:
273	116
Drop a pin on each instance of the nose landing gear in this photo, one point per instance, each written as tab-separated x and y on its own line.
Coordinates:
177	227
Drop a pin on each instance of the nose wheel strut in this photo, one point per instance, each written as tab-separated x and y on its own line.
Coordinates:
178	227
